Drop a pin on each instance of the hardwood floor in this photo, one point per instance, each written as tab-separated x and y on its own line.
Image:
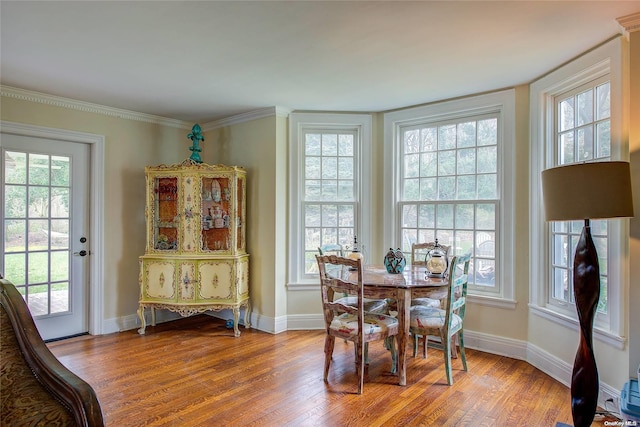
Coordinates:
193	372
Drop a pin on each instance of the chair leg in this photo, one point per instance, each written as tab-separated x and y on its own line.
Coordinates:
462	355
329	342
446	350
390	344
366	352
425	339
360	365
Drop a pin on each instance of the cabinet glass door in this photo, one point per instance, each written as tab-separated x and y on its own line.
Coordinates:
240	245
216	204
166	219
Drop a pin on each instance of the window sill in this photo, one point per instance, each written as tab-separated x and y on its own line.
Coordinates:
607	337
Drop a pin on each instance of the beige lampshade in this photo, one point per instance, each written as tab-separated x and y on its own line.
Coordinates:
587	191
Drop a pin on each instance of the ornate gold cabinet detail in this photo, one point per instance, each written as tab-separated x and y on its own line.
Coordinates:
195	258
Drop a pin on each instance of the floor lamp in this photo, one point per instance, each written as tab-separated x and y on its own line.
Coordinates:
586	191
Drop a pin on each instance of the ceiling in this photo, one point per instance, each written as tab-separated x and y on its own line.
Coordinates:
208	60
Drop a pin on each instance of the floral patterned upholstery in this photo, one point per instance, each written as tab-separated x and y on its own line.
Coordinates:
373	323
430	317
426	302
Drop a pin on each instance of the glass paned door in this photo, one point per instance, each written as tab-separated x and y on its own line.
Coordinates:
44	244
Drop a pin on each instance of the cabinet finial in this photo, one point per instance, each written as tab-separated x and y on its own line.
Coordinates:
195	136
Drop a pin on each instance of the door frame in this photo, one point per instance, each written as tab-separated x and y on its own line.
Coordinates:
96	216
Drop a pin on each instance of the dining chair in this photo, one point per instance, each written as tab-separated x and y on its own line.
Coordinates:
332	248
419	253
447	322
350	322
370	305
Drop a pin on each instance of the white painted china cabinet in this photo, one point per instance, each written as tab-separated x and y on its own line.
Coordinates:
195	258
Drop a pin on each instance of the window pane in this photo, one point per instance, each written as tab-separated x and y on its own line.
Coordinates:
345	191
603	139
346	168
466	187
447	163
345	145
411	142
329	145
467	134
444	216
488	132
464	217
312	144
585	107
446	188
603	101
446	137
467	161
411	166
15	167
60	173
567	148
488	159
38	169
427	217
312	168
410	216
566	114
346	216
15	201
585	143
428	164
429	139
312	216
329	216
428	189
487	186
329	168
38	202
60	202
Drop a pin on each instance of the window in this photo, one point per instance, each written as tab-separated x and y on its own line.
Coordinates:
452	167
582	133
330	176
576	116
449	189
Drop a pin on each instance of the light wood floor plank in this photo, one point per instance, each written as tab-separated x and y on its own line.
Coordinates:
193	372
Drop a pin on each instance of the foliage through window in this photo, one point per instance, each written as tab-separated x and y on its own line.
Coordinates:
449	189
329	191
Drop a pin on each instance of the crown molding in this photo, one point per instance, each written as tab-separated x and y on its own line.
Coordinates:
245	117
73	104
630	23
87	107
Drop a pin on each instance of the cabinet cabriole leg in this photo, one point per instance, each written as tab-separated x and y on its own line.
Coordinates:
143	324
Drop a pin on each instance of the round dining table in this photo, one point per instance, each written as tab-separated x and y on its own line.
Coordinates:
413	282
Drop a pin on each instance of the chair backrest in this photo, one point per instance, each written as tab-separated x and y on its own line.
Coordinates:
458	281
419	252
330	285
56	395
332	248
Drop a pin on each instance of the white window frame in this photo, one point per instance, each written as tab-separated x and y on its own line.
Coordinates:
298	124
502	103
602	61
